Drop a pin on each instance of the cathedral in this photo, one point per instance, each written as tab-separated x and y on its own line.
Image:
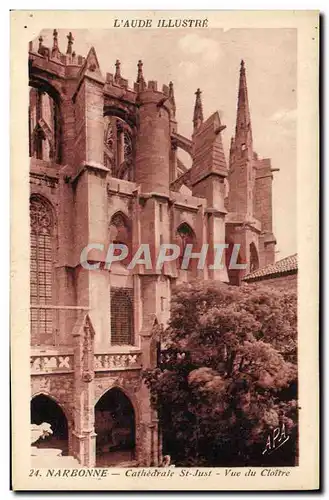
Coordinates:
105	168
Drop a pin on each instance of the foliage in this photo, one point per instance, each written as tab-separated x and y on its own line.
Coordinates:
228	375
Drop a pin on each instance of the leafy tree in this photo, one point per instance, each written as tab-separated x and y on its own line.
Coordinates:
228	375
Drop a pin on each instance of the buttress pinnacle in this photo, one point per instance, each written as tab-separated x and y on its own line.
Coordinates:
117	76
140	77
70	41
198	111
172	97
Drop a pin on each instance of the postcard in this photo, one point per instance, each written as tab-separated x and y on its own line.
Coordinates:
164	260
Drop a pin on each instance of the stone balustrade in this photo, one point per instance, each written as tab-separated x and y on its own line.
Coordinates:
117	361
51	363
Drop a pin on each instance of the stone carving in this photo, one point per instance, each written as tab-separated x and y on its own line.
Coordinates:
40	431
109	155
88	353
43	180
43	364
118	220
128	147
42	384
40	217
104	362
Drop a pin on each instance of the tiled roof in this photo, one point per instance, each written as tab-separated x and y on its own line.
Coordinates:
283	266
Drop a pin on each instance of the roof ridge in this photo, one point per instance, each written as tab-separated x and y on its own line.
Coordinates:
285	265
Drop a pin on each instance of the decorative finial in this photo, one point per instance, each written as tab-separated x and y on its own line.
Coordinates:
55	49
69	43
117	76
140	77
198	111
172	97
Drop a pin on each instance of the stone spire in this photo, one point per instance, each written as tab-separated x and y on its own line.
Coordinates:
70	41
198	111
243	125
172	97
55	49
117	76
140	77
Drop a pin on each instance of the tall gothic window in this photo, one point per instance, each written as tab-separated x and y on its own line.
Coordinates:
122	316
41	264
118	148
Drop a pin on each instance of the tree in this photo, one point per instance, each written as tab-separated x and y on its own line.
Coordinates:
228	375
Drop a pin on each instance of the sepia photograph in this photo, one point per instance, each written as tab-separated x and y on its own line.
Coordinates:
162	249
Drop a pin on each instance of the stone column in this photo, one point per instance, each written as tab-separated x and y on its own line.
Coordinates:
84	437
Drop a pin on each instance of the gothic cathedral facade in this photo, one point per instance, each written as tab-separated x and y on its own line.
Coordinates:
104	168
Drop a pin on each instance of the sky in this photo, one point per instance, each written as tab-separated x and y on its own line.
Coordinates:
210	60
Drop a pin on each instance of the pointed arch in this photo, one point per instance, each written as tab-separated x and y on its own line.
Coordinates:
45	124
45	409
235	275
119	147
121	233
115	427
253	256
185	236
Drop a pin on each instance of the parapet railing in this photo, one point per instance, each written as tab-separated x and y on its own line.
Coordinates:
117	361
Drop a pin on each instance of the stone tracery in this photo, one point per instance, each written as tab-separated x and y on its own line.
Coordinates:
118	148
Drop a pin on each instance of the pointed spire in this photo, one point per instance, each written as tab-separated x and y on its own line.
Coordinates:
172	97
140	77
117	76
198	111
55	49
243	114
70	41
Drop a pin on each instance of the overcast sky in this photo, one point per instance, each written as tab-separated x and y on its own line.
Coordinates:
210	59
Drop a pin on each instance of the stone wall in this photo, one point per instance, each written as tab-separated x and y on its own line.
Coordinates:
286	282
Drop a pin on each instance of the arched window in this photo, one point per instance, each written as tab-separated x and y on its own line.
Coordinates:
44	126
118	148
122	316
254	261
120	233
186	237
235	275
41	268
